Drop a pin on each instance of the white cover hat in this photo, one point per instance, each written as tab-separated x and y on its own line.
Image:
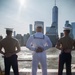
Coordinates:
9	29
67	28
38	26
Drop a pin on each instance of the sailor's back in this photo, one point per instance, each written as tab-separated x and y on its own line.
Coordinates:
38	43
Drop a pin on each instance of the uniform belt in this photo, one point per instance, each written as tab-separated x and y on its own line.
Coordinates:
66	51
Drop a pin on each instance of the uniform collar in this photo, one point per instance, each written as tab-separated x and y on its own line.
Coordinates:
67	36
8	36
39	32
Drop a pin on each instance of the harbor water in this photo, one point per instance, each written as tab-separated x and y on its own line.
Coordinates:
25	59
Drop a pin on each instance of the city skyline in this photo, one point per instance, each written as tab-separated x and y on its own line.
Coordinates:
19	16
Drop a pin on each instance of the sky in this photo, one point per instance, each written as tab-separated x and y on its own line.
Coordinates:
18	14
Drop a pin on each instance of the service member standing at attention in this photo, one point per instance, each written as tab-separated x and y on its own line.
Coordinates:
66	44
39	43
11	47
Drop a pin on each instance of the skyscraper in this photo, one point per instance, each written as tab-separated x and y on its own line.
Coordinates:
30	28
55	17
54	26
39	23
52	31
47	29
73	29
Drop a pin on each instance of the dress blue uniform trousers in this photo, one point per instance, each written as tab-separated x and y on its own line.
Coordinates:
11	61
65	58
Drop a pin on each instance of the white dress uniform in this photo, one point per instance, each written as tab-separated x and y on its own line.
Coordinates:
39	40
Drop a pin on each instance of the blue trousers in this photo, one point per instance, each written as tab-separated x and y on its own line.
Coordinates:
11	61
64	58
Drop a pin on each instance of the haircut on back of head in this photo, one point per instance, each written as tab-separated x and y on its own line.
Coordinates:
68	31
39	27
8	32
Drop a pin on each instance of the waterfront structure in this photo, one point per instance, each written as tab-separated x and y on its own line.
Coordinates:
19	37
30	28
25	38
47	29
33	32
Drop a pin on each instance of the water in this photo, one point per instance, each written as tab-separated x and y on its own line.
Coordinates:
25	54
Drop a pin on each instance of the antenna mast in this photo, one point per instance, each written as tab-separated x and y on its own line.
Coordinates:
55	2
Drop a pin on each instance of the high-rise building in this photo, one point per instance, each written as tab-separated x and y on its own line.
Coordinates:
47	29
25	38
19	37
73	29
55	17
52	31
67	23
30	28
39	23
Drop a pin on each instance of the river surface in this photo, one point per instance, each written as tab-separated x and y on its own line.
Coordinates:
26	54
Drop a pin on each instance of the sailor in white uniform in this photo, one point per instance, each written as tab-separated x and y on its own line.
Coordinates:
39	43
